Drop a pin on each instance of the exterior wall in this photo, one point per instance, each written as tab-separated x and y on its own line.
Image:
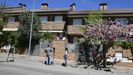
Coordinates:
130	65
60	48
126	57
126	60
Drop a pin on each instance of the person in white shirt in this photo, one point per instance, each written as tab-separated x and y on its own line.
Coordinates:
66	56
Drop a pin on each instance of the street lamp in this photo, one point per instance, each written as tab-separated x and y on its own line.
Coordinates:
33	3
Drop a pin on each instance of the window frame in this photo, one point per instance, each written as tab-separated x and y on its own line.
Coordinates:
76	20
42	19
121	21
56	20
11	19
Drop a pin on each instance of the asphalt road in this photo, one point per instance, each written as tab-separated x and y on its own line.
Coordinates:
26	66
9	69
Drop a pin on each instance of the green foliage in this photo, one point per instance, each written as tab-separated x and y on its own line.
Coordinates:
131	46
93	18
24	30
3	22
124	44
83	29
47	36
3	17
8	38
4	38
13	38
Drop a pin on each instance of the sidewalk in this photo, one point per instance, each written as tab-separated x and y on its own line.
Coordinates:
37	62
38	59
57	62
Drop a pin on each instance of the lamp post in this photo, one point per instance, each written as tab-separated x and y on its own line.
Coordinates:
33	3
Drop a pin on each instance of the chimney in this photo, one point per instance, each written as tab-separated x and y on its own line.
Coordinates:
24	6
73	6
103	6
44	6
20	4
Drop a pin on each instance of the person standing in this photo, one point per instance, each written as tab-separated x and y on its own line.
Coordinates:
66	56
11	51
48	50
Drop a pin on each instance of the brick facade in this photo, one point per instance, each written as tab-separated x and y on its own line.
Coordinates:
126	52
59	46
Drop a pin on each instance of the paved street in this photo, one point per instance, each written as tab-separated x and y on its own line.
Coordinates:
25	65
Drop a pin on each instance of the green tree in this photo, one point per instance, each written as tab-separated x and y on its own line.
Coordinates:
3	16
102	30
8	38
24	31
124	44
94	18
3	22
47	36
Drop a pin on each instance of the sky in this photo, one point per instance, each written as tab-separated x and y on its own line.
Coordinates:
80	4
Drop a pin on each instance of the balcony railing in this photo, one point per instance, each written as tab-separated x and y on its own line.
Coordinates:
14	10
76	30
12	25
52	25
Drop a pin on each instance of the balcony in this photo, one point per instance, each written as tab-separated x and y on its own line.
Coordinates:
11	26
74	30
14	10
52	26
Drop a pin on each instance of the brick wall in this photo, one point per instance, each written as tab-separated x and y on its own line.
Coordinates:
59	50
130	65
126	52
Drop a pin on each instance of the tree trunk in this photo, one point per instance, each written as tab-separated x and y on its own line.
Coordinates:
104	55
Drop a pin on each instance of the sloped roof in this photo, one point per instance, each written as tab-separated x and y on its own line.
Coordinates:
105	11
51	10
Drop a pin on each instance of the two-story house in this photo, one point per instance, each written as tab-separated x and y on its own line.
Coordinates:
65	24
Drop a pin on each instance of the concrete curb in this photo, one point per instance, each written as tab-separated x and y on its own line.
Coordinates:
122	67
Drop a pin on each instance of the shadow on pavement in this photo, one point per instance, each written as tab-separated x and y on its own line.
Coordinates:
7	61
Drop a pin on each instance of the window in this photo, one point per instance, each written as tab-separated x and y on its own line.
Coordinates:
58	18
43	19
75	39
121	21
77	22
60	36
11	19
